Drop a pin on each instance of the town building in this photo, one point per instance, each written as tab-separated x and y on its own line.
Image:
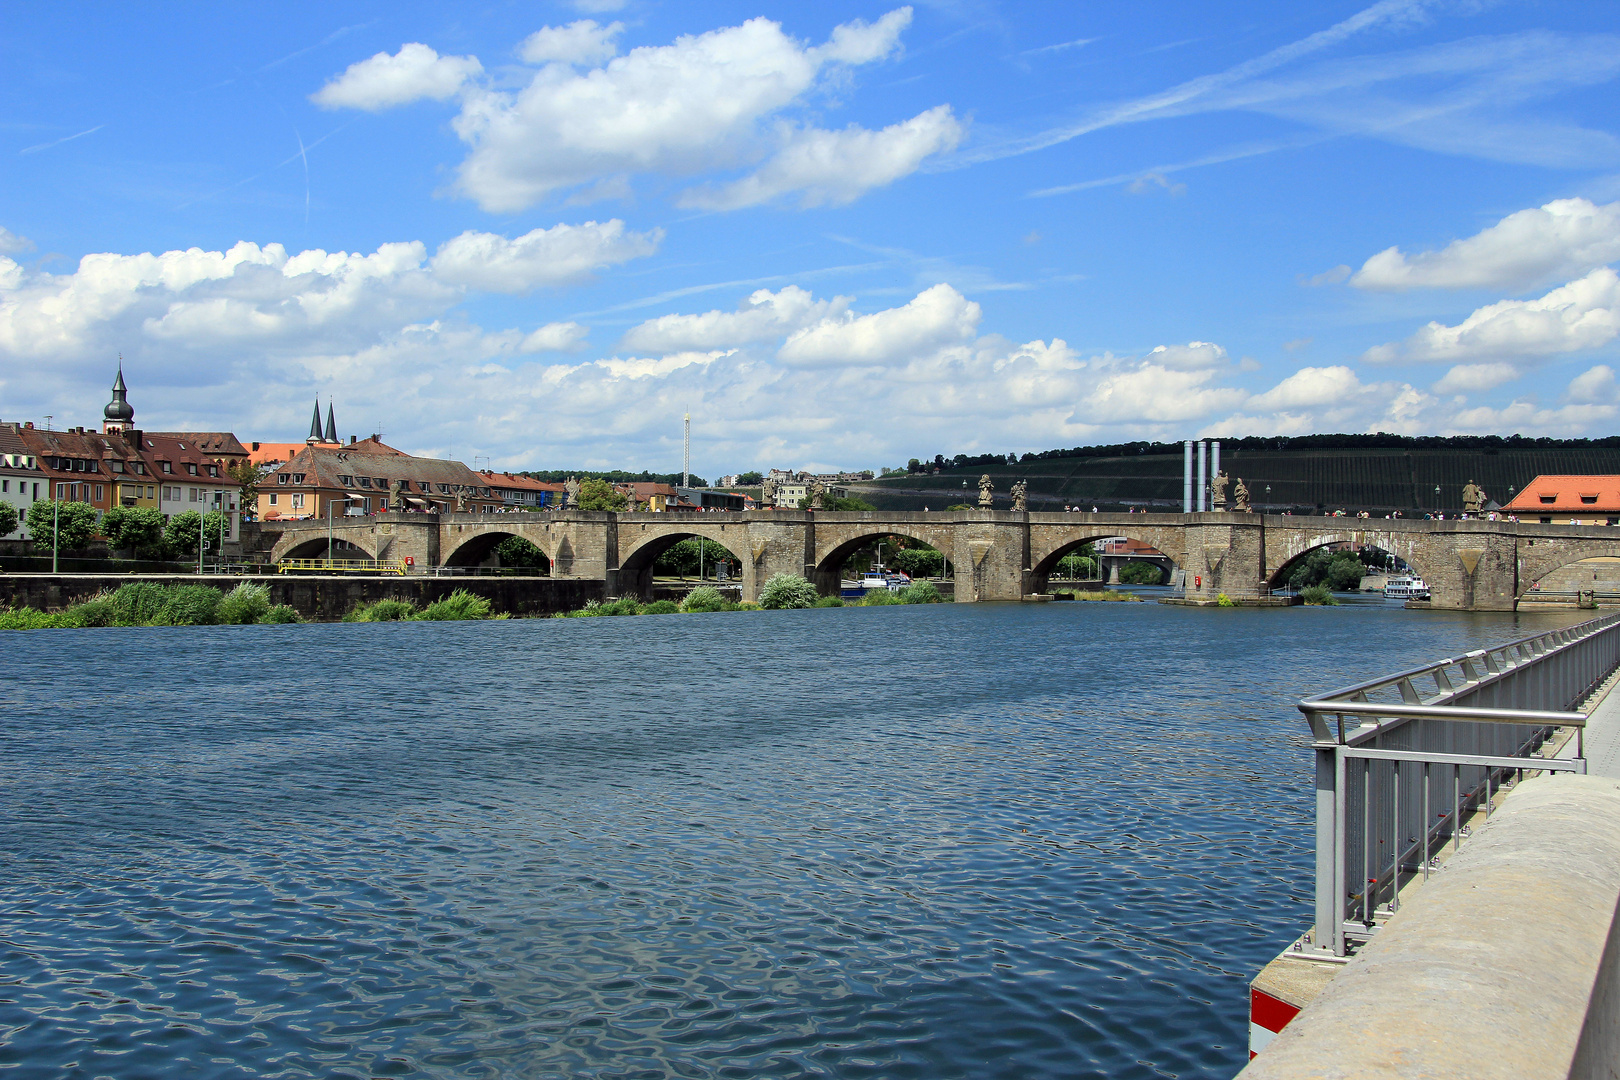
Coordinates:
268	455
1568	500
20	482
365	477
524	492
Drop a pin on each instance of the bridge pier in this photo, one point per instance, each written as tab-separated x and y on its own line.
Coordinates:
994	554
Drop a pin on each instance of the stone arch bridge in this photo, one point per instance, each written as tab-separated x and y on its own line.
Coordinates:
993	554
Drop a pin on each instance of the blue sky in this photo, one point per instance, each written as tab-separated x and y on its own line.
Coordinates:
839	235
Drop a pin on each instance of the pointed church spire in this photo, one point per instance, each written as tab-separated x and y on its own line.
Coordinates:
331	424
315	423
118	415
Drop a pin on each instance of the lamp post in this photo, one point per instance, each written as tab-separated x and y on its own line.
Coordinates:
329	502
56	531
1437	498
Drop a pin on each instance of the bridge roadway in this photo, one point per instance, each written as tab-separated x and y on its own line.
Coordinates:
993	554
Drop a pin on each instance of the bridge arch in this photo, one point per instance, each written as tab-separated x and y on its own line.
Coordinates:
1541	562
1045	566
835	550
476	549
640	549
1289	557
315	547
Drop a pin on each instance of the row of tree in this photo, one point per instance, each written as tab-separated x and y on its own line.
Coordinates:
139	530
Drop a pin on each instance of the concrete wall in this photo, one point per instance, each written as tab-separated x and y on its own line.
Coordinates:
1505	966
321	598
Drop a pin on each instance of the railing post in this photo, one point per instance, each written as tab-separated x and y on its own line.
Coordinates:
1329	871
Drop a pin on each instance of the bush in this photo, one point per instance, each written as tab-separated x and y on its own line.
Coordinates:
281	613
190	605
1222	600
662	607
27	619
624	605
245	604
703	598
880	598
1141	573
1318	596
830	601
97	611
382	611
138	603
746	605
921	592
787	591
458	606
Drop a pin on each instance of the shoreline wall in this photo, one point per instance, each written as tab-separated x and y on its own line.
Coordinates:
319	598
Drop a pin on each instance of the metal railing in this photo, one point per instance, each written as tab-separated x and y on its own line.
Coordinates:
1403	760
339	566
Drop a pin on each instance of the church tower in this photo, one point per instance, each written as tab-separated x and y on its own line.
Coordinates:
315	424
118	416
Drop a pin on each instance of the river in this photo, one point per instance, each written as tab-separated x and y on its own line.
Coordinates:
954	841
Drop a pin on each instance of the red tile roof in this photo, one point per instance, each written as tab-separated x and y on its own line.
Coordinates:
1568	495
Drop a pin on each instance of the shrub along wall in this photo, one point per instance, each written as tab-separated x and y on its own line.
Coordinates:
319	598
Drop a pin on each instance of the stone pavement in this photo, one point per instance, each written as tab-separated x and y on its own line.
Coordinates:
1602	735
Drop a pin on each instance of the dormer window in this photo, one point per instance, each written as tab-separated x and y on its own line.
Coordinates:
213	470
116	466
298	477
282	478
140	467
1589	500
191	468
346	481
1549	499
365	481
166	466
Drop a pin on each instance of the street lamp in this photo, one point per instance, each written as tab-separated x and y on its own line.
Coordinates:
56	531
1437	497
329	502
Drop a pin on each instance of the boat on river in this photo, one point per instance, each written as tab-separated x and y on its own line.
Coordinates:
1405	588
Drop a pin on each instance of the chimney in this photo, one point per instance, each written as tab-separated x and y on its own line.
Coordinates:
29	425
353	439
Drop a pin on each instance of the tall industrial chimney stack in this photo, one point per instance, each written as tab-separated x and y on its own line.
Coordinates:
686	450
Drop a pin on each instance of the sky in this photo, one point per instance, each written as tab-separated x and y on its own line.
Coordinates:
534	235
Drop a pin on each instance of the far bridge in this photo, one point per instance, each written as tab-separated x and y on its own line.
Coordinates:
993	554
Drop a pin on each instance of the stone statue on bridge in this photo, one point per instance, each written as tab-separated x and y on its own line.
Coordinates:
816	492
767	492
1020	496
1473	498
571	493
461	498
396	497
987	497
1217	492
1241	494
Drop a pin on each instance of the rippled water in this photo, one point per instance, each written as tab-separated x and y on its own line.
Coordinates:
965	840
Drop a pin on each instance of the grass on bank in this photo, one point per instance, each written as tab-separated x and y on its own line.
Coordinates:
147	603
780	592
1086	594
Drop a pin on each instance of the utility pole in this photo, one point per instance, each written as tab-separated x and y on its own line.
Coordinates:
686	450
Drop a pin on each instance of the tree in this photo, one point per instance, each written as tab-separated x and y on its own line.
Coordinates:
516	551
829	501
749	479
681	558
248	476
1141	573
914	466
1077	565
134	529
180	534
64	525
919	562
8	519
599	495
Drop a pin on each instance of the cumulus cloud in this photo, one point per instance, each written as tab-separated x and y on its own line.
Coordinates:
1475	378
582	42
1581	315
702	103
1193	356
1564	238
412	74
763	316
556	337
12	244
936	316
1594	386
1310	387
838	167
562	254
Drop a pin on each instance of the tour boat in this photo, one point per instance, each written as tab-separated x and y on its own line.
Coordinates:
1405	588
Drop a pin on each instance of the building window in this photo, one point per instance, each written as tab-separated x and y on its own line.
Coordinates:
1588	499
213	470
1549	498
166	466
282	478
365	481
140	468
116	466
298	478
61	492
100	494
298	500
272	498
191	468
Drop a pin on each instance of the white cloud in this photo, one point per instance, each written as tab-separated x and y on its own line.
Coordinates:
383	81
1581	315
556	337
693	106
936	317
1556	241
763	316
1475	378
12	244
560	255
1595	386
838	167
1310	387
1147	393
582	42
1193	356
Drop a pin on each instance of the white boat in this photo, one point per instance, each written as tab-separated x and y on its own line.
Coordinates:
1405	588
